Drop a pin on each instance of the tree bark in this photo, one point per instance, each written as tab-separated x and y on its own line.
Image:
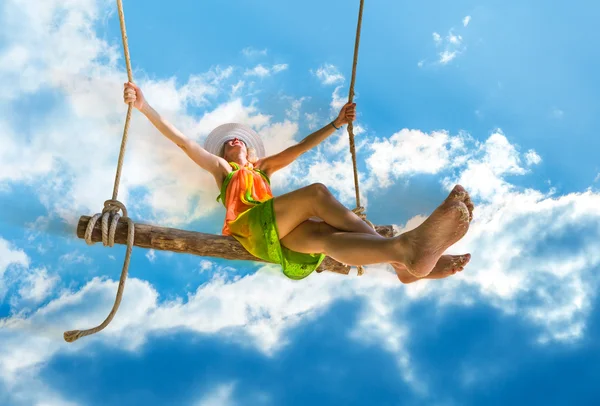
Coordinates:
195	243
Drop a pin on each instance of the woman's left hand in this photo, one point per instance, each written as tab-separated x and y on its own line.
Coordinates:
347	115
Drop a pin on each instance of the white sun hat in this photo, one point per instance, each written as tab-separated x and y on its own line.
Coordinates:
217	138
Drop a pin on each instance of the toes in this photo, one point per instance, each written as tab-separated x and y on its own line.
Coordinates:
458	193
462	209
460	262
470	207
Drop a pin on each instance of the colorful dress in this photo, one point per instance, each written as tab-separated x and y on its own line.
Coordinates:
250	219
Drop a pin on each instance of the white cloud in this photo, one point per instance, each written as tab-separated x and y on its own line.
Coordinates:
9	257
206	265
253	52
151	255
293	113
338	176
237	87
220	396
532	158
447	56
262	71
484	170
338	100
258	70
454	39
329	74
311	120
377	325
279	67
412	151
74	258
451	44
37	285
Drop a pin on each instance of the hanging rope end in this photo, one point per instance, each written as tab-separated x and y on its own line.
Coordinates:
72	336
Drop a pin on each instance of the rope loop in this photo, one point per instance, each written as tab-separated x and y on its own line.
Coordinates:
71	336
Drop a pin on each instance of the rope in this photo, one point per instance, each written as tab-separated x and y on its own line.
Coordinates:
130	107
359	210
112	208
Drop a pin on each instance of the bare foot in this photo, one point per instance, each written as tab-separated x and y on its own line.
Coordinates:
446	266
444	227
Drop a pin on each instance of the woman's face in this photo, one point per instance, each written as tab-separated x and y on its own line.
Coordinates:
232	148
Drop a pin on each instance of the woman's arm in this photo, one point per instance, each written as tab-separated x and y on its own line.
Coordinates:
279	161
212	163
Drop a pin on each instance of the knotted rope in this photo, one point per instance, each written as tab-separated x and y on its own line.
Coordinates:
359	210
112	208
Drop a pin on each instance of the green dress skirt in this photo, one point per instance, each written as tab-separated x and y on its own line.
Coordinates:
256	230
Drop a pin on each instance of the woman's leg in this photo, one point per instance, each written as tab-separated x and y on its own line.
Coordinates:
351	248
315	200
419	249
315	236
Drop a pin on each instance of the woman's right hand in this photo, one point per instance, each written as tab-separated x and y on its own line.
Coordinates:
133	94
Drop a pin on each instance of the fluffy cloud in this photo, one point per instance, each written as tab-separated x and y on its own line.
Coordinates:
262	71
450	45
151	255
253	52
220	396
329	74
409	152
532	158
37	285
74	258
10	257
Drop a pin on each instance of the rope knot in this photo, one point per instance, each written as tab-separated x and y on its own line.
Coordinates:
114	206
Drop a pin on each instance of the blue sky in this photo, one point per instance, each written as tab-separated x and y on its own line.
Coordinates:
500	97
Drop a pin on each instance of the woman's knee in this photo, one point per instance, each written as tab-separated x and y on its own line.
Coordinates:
319	191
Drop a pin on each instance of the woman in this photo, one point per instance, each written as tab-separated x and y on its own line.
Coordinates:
284	230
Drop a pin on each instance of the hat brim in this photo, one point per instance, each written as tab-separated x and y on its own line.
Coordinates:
215	142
